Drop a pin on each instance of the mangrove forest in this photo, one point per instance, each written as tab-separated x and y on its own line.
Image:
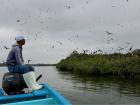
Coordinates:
116	64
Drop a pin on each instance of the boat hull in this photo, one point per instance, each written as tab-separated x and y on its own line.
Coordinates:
46	96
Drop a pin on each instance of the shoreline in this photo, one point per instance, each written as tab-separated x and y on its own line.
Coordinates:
4	65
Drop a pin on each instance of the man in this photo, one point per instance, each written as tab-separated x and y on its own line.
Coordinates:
16	64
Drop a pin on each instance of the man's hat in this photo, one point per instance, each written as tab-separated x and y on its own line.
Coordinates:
19	37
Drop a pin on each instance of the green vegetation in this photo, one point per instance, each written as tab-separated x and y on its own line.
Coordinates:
116	64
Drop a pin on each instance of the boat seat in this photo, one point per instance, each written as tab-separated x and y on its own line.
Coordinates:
1	92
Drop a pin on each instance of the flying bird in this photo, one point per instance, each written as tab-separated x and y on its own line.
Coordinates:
29	61
68	6
6	47
128	43
53	46
18	20
109	33
127	0
59	42
111	39
113	6
77	36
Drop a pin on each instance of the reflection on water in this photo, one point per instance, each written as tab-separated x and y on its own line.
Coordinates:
89	90
98	84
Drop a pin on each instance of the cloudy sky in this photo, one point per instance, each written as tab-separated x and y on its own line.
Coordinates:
55	28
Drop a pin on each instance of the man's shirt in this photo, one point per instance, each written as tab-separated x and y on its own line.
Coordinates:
15	56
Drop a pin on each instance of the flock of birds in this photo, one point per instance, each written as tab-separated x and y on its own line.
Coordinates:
109	38
68	6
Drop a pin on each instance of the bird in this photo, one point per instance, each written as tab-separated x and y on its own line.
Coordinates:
111	39
59	42
53	46
113	6
77	36
68	6
109	33
18	20
128	43
6	47
118	24
77	48
100	51
95	52
130	48
127	0
85	51
120	48
29	61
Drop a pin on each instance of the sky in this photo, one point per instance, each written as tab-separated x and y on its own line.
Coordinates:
55	28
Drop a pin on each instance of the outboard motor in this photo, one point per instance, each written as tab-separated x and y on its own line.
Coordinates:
13	83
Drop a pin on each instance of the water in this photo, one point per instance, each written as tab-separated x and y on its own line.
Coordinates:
83	90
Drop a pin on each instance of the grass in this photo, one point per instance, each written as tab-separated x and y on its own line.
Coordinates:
116	64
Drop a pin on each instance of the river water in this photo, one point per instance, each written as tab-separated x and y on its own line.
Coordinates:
81	90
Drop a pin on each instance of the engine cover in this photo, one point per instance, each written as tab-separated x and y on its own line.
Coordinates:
13	83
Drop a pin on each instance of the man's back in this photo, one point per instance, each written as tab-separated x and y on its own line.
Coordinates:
15	55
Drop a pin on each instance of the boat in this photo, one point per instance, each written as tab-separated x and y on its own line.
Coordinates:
45	96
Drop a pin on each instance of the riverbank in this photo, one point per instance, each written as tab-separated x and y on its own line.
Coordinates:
116	64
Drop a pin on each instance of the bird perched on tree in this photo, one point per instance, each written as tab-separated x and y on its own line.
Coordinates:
130	48
85	51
